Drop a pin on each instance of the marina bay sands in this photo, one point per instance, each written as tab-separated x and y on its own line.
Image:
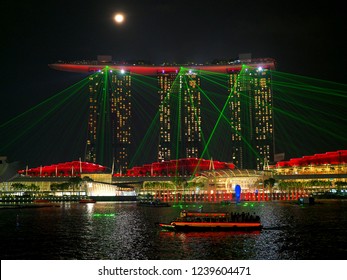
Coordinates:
246	86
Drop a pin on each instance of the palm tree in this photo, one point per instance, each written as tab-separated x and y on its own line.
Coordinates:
34	188
74	182
19	187
269	183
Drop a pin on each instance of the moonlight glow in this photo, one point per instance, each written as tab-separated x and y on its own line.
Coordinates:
119	18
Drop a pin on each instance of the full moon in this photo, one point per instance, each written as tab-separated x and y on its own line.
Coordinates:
119	18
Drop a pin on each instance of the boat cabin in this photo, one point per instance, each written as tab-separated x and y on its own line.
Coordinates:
203	216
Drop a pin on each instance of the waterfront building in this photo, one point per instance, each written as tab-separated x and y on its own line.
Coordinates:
64	181
317	174
325	163
320	175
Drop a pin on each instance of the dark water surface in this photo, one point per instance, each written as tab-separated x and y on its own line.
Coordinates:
127	231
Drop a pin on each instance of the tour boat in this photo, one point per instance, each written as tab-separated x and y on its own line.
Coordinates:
213	221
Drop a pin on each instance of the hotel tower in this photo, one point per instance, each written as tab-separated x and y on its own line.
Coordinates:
109	123
179	115
251	109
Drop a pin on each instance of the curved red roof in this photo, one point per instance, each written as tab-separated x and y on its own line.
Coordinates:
154	70
73	168
182	166
337	157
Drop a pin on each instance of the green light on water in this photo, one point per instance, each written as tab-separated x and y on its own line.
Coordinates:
97	215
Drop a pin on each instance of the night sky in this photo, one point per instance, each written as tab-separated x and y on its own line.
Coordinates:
305	39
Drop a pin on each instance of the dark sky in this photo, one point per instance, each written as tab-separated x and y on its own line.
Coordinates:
305	39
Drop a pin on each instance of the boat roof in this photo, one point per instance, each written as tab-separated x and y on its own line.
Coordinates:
204	214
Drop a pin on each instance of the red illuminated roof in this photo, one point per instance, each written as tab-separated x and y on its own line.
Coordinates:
337	157
73	168
183	166
154	70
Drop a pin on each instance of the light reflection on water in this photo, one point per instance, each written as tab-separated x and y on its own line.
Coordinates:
127	231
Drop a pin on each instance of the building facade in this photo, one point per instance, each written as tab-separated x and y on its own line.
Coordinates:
252	123
179	115
109	123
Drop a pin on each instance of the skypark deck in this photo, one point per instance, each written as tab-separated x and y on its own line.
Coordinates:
152	70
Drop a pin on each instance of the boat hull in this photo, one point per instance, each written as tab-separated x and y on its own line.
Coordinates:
194	226
167	227
213	221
